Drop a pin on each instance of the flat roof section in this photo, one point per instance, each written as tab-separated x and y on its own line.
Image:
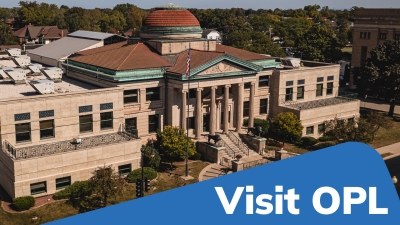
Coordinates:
5	62
90	34
9	90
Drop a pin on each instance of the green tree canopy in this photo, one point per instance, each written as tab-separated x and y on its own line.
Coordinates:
288	125
6	35
380	75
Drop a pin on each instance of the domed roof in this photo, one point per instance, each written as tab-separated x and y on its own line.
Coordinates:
171	22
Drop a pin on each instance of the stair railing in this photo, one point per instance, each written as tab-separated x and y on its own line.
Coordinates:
242	147
228	149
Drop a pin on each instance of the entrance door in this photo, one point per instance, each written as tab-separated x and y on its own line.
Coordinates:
206	122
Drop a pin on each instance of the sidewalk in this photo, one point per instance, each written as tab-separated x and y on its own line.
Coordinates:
394	149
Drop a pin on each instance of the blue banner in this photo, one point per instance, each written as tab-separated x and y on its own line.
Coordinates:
345	184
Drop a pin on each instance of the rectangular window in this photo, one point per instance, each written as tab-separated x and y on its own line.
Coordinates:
38	188
131	122
152	94
331	77
321	128
369	35
382	36
289	94
300	82
153	123
191	122
289	83
247	85
125	169
300	92
106	120
86	108
46	129
329	88
106	106
22	116
320	79
63	182
130	96
396	36
263	106
361	34
263	81
85	123
363	54
23	132
191	93
47	113
319	90
310	130
246	109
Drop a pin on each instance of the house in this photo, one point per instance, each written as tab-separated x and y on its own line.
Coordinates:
113	98
211	35
39	34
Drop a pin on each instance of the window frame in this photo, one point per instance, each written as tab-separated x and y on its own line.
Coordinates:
107	120
301	82
320	79
262	80
307	130
46	129
289	83
152	95
80	123
131	95
302	93
28	131
321	130
289	94
64	186
247	85
329	90
319	92
262	106
157	123
382	36
246	110
38	192
191	122
129	167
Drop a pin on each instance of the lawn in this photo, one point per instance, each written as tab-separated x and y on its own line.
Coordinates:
347	49
165	181
387	136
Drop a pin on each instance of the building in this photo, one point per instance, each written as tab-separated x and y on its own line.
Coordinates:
113	98
55	53
212	35
39	34
372	27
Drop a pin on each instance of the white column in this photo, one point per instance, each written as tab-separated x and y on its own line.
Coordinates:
199	114
239	112
212	111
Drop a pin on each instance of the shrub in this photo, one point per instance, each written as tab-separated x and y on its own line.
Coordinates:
78	189
196	156
149	172
24	203
153	162
307	142
325	144
326	138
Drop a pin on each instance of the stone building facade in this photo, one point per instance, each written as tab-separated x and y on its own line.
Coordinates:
113	98
372	27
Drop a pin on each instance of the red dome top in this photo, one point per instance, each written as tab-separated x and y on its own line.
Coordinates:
171	18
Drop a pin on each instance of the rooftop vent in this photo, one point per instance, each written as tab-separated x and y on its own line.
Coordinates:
291	63
17	75
3	74
53	73
35	68
43	86
13	51
22	60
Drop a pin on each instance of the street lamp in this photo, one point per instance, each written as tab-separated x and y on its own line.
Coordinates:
394	179
152	154
355	130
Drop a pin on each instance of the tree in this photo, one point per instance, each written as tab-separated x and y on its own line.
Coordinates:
173	142
341	129
105	184
153	162
6	35
376	121
379	76
288	125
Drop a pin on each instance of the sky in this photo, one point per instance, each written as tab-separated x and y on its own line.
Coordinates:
203	4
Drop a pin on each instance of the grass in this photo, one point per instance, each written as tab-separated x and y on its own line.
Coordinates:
61	209
386	137
384	155
347	49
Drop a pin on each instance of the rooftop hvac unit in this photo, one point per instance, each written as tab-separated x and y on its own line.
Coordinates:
53	73
17	75
13	51
3	73
291	62
22	60
43	86
35	68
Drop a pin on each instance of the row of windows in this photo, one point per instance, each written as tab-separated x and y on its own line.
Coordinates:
365	35
303	81
382	36
41	187
263	107
131	96
300	91
153	123
23	130
310	129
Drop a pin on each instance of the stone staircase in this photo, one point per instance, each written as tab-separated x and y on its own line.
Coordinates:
244	150
212	171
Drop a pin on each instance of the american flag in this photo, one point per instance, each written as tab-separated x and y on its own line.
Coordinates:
188	64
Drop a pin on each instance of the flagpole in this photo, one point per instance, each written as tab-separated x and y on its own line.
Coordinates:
187	116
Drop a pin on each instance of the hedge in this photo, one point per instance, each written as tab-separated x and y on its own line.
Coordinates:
149	172
24	203
78	189
196	156
326	138
325	144
307	142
